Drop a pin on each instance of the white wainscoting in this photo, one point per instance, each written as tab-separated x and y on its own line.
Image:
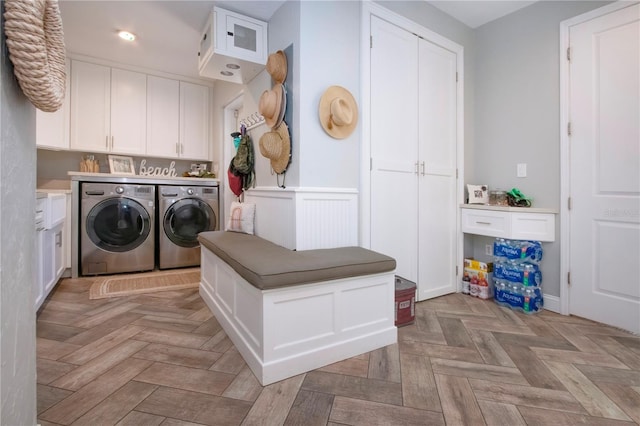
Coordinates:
306	218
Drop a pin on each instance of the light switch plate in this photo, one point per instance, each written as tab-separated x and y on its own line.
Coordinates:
522	170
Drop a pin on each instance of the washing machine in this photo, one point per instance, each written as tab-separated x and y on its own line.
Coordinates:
117	228
184	212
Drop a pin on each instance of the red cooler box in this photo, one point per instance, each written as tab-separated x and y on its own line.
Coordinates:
405	301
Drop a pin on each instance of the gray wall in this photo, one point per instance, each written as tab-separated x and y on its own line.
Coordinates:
330	55
17	235
517	111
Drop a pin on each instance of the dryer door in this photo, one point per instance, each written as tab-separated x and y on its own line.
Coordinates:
185	219
118	224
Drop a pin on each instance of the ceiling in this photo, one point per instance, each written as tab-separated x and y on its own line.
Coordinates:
168	32
478	12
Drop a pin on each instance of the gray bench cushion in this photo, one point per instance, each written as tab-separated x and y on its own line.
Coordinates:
267	265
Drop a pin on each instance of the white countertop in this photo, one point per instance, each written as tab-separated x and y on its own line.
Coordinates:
508	208
114	177
54	190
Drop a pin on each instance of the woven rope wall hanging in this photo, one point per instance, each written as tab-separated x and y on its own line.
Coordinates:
36	48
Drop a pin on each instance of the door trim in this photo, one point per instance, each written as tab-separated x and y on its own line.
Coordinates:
368	9
565	182
229	126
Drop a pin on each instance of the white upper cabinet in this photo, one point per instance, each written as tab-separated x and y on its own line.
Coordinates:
194	121
177	119
128	111
163	117
233	47
52	128
108	109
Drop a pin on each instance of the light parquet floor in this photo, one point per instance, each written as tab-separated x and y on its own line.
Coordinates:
163	359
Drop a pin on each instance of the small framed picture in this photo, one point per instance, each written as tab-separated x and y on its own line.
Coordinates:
478	194
121	165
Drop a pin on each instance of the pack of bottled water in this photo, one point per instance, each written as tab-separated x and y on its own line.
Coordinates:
517	277
517	250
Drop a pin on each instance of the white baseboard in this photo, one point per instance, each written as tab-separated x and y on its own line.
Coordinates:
551	303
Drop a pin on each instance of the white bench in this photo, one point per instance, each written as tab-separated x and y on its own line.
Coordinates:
289	312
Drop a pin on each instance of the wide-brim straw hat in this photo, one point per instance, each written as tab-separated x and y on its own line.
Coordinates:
272	105
277	66
338	112
276	146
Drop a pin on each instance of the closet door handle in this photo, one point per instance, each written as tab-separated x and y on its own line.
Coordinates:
422	166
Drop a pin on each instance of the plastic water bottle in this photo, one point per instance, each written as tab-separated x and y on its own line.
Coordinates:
499	291
532	302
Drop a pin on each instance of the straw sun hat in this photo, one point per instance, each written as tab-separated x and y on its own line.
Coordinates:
272	105
277	66
276	146
338	112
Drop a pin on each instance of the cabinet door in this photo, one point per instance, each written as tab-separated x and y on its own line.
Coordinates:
38	282
90	113
244	37
394	148
128	112
52	128
163	116
194	121
437	230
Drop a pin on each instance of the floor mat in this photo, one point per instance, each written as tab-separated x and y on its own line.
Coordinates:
147	282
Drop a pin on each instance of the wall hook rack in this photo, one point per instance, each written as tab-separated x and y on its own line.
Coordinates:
252	121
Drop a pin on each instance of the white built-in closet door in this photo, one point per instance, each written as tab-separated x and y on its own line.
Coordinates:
413	151
394	155
605	169
437	248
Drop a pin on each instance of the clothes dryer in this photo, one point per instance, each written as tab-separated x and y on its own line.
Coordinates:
184	212
117	223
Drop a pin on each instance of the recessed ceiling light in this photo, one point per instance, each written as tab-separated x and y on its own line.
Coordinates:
226	73
233	66
125	35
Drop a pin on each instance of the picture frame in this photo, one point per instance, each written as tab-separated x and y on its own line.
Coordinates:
121	165
478	194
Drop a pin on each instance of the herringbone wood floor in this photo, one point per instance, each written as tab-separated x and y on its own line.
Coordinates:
163	359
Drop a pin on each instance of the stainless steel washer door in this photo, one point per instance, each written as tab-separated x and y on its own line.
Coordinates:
185	219
118	224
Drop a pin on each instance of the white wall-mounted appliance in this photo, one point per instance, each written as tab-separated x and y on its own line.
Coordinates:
233	47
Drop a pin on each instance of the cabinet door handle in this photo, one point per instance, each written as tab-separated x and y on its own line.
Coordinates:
181	148
59	239
106	142
111	143
416	165
177	149
483	223
422	166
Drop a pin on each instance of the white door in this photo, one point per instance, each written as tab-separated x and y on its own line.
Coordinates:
437	249
394	145
605	169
